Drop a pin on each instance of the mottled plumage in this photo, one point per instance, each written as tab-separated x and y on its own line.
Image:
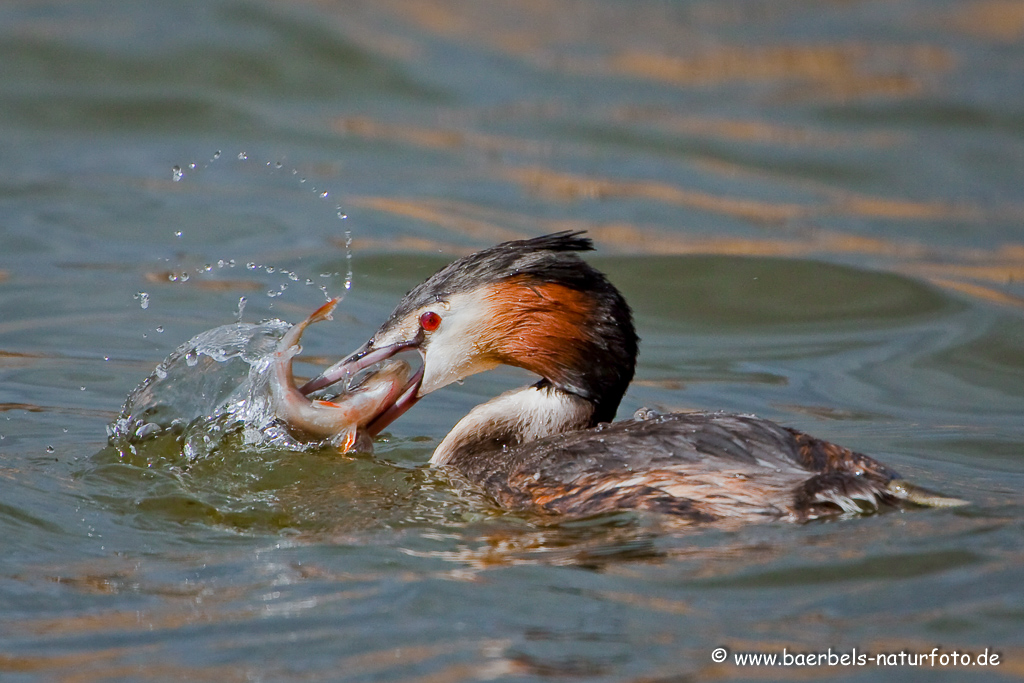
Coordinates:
548	447
702	466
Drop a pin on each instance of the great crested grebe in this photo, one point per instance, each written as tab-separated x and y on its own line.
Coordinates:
537	305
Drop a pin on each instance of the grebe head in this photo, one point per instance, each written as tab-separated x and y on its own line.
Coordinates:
533	304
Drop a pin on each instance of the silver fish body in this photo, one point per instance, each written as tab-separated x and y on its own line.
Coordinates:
343	419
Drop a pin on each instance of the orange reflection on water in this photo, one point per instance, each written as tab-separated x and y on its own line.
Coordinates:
752	130
434	138
848	68
565	186
1000	20
975	272
676	50
461	218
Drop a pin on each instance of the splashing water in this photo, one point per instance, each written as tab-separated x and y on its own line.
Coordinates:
215	385
196	169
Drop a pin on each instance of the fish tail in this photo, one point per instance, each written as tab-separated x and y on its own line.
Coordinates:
324	312
289	344
346	440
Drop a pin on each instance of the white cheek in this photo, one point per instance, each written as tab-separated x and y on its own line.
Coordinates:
453	351
450	358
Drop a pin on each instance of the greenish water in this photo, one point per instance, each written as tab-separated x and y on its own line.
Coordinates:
815	211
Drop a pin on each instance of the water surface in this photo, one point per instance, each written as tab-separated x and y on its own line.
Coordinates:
815	211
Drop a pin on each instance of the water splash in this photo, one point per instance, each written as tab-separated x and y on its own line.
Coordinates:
273	167
213	386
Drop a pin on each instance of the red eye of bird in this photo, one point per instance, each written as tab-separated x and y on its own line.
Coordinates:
430	321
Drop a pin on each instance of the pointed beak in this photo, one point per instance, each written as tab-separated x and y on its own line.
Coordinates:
345	369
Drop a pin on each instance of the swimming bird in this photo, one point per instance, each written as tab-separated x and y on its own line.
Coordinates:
553	447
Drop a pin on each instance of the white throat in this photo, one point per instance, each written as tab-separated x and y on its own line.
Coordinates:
516	417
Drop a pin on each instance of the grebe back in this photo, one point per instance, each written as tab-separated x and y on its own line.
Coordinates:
537	305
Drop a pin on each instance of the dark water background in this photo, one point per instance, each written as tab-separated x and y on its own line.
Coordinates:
815	208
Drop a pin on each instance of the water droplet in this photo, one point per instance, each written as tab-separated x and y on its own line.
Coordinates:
221	263
348	260
293	277
50	449
251	266
302	180
231	263
270	269
176	173
308	281
278	165
192	166
342	215
177	233
191	358
242	156
216	155
323	195
241	306
183	277
159	328
143	299
106	357
81	388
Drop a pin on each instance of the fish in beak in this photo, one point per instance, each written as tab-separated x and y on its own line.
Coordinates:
367	356
524	304
361	409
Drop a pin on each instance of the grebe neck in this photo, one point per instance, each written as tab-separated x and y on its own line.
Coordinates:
514	418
